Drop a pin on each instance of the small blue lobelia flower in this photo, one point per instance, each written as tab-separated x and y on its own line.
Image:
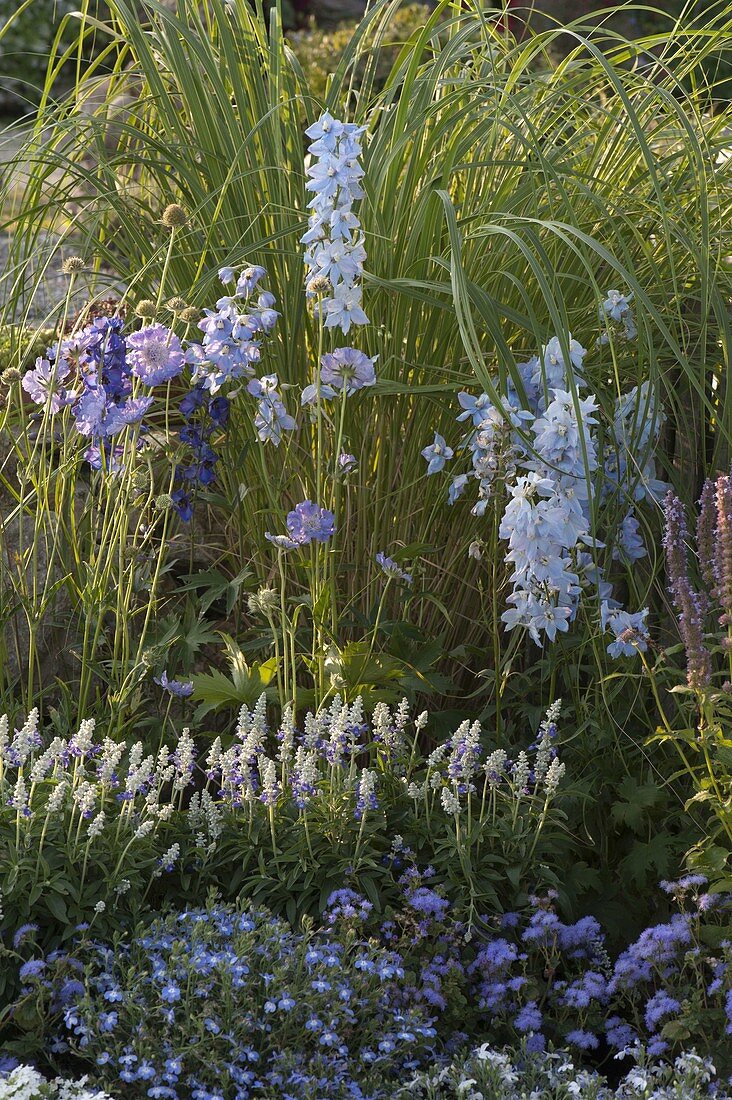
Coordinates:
178	688
309	523
155	355
437	454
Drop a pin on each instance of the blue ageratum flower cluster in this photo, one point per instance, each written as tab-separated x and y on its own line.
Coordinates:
104	378
536	447
335	251
226	1004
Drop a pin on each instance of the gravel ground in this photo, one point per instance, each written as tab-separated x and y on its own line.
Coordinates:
52	285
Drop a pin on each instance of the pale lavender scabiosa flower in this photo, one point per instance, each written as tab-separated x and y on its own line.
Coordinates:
155	355
306	523
179	688
335	252
391	569
348	370
44	383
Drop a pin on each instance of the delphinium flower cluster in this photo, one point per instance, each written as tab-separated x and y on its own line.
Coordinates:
22	1082
334	244
534	454
513	1073
225	1004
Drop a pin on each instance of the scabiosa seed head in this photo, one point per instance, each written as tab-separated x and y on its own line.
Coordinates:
164	502
190	315
146	309
176	304
174	216
72	265
318	286
10	375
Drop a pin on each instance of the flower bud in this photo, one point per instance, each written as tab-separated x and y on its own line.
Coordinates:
146	309
174	216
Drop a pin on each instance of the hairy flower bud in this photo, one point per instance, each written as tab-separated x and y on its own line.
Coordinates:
190	314
176	304
174	216
263	602
10	375
146	309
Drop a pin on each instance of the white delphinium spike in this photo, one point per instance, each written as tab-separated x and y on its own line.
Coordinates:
57	798
270	788
82	741
85	797
109	760
554	777
26	739
450	801
494	767
96	825
184	758
4	739
421	721
213	758
144	829
19	798
45	762
437	756
520	773
287	743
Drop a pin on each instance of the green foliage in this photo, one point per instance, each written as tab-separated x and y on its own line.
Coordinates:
319	51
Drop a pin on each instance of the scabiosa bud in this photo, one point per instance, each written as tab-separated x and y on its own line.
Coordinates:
164	502
263	602
73	265
10	375
174	216
146	308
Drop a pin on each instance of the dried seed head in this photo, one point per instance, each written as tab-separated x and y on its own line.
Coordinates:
146	308
174	216
318	286
73	265
190	314
164	502
10	375
176	305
